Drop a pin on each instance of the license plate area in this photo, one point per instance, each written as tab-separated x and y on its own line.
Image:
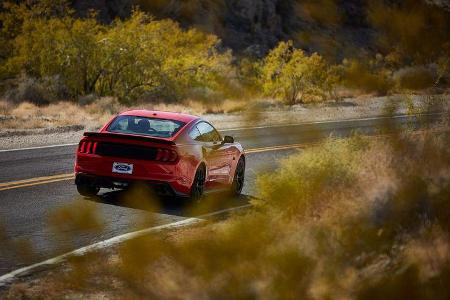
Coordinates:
122	168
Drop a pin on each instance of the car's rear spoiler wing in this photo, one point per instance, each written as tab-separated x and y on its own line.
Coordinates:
128	137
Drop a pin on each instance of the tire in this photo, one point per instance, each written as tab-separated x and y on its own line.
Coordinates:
198	185
239	178
87	190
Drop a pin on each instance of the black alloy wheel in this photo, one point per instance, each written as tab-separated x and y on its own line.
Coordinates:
87	190
239	177
198	185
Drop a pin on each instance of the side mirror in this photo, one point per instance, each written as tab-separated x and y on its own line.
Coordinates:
228	139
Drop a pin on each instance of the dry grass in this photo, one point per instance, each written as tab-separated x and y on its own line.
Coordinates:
28	116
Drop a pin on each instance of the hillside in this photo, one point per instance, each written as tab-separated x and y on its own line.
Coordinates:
252	26
255	26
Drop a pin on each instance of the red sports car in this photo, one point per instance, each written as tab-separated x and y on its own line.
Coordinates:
176	154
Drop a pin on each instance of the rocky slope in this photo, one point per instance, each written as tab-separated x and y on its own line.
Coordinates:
255	26
248	26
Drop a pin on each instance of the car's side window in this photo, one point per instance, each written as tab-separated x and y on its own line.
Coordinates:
208	133
122	124
195	134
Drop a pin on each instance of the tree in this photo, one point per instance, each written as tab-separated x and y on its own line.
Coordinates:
130	59
64	47
147	58
291	75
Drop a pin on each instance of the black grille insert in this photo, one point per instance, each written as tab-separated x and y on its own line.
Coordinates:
126	151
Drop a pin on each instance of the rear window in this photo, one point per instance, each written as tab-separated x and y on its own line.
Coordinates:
145	126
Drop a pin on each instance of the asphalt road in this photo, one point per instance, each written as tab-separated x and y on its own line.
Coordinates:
25	210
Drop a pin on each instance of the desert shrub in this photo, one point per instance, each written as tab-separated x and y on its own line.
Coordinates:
292	76
39	91
12	16
129	59
5	107
415	78
417	31
443	68
63	47
299	184
157	59
28	89
104	105
366	76
249	73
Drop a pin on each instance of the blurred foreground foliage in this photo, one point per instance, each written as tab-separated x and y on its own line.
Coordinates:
48	53
361	218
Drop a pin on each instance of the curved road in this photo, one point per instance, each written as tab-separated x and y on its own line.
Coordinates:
35	182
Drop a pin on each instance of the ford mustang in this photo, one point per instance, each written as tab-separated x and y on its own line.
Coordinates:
176	154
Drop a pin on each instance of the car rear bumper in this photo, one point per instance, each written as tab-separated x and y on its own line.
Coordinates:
159	187
98	169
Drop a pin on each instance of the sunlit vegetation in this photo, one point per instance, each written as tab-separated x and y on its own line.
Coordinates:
136	58
370	76
293	76
49	54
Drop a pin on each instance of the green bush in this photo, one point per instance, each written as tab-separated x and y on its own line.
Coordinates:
63	47
157	59
292	76
135	58
37	91
367	77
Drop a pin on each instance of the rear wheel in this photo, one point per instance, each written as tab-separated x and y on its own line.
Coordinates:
198	185
239	177
87	190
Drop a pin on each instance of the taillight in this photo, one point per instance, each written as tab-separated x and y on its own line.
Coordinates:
87	147
94	148
166	155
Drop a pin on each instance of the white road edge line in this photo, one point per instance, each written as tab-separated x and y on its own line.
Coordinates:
40	147
10	277
255	127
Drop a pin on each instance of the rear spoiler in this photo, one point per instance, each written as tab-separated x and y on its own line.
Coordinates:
128	137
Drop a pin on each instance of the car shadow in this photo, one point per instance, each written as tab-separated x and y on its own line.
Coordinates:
214	204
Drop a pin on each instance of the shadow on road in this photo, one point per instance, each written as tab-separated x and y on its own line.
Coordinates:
215	205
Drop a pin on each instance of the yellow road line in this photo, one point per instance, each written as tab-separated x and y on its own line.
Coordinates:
33	180
63	177
37	183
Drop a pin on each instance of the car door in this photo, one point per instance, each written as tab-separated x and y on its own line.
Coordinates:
216	153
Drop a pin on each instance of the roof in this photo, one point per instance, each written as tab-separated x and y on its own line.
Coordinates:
185	118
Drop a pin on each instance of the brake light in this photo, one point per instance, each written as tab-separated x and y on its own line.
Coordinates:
87	147
166	155
94	148
82	147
